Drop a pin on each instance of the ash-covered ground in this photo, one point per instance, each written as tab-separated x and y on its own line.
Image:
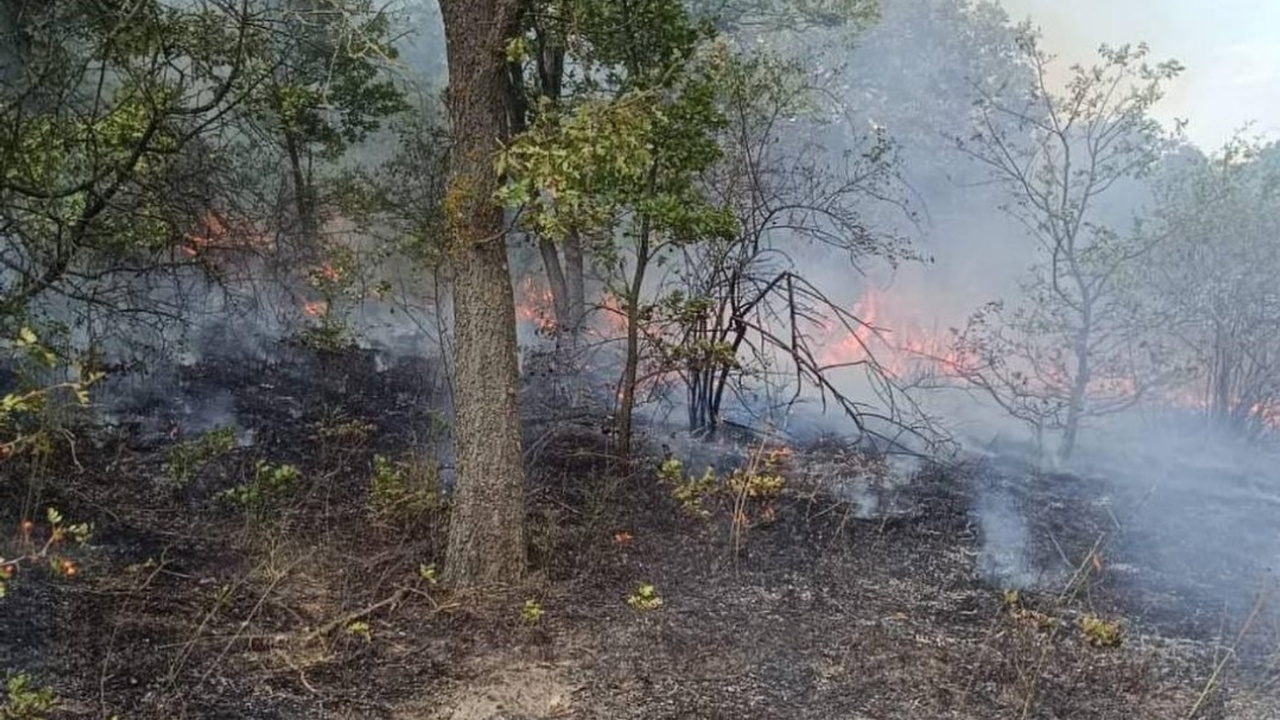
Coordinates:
865	590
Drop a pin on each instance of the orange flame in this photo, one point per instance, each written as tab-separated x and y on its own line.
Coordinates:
614	317
535	305
216	232
897	342
901	345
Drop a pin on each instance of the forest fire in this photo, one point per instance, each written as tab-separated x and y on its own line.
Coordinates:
330	273
217	232
901	347
802	361
535	306
874	331
898	343
1263	415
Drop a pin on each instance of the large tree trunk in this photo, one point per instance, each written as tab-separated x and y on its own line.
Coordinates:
486	532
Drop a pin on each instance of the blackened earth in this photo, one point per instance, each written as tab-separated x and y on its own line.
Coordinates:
187	609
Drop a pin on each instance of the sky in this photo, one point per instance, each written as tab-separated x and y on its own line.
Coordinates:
1231	49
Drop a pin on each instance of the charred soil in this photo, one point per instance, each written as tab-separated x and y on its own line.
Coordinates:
798	606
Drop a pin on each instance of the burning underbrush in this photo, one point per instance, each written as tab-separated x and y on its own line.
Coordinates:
266	536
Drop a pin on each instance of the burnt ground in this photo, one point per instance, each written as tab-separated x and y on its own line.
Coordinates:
185	608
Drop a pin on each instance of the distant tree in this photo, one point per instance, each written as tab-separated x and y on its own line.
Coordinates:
917	71
486	530
1070	348
787	15
327	89
1214	278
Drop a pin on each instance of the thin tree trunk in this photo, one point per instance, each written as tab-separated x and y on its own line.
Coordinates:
14	48
1079	389
486	531
568	287
627	402
575	281
556	279
303	193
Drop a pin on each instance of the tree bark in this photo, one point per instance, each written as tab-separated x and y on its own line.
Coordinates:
631	366
576	287
1079	392
13	45
304	193
486	531
556	281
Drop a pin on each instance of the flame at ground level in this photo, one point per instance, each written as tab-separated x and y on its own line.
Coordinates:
879	329
905	350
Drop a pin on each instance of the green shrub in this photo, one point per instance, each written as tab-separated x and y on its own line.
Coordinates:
1100	632
186	460
645	598
403	492
262	496
691	492
25	701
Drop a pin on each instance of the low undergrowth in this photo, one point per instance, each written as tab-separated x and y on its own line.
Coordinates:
307	585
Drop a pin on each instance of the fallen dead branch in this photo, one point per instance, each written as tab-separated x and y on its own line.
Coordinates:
347	619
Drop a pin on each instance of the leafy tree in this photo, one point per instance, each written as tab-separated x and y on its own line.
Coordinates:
575	54
114	143
131	145
1069	349
631	166
572	51
538	61
621	163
